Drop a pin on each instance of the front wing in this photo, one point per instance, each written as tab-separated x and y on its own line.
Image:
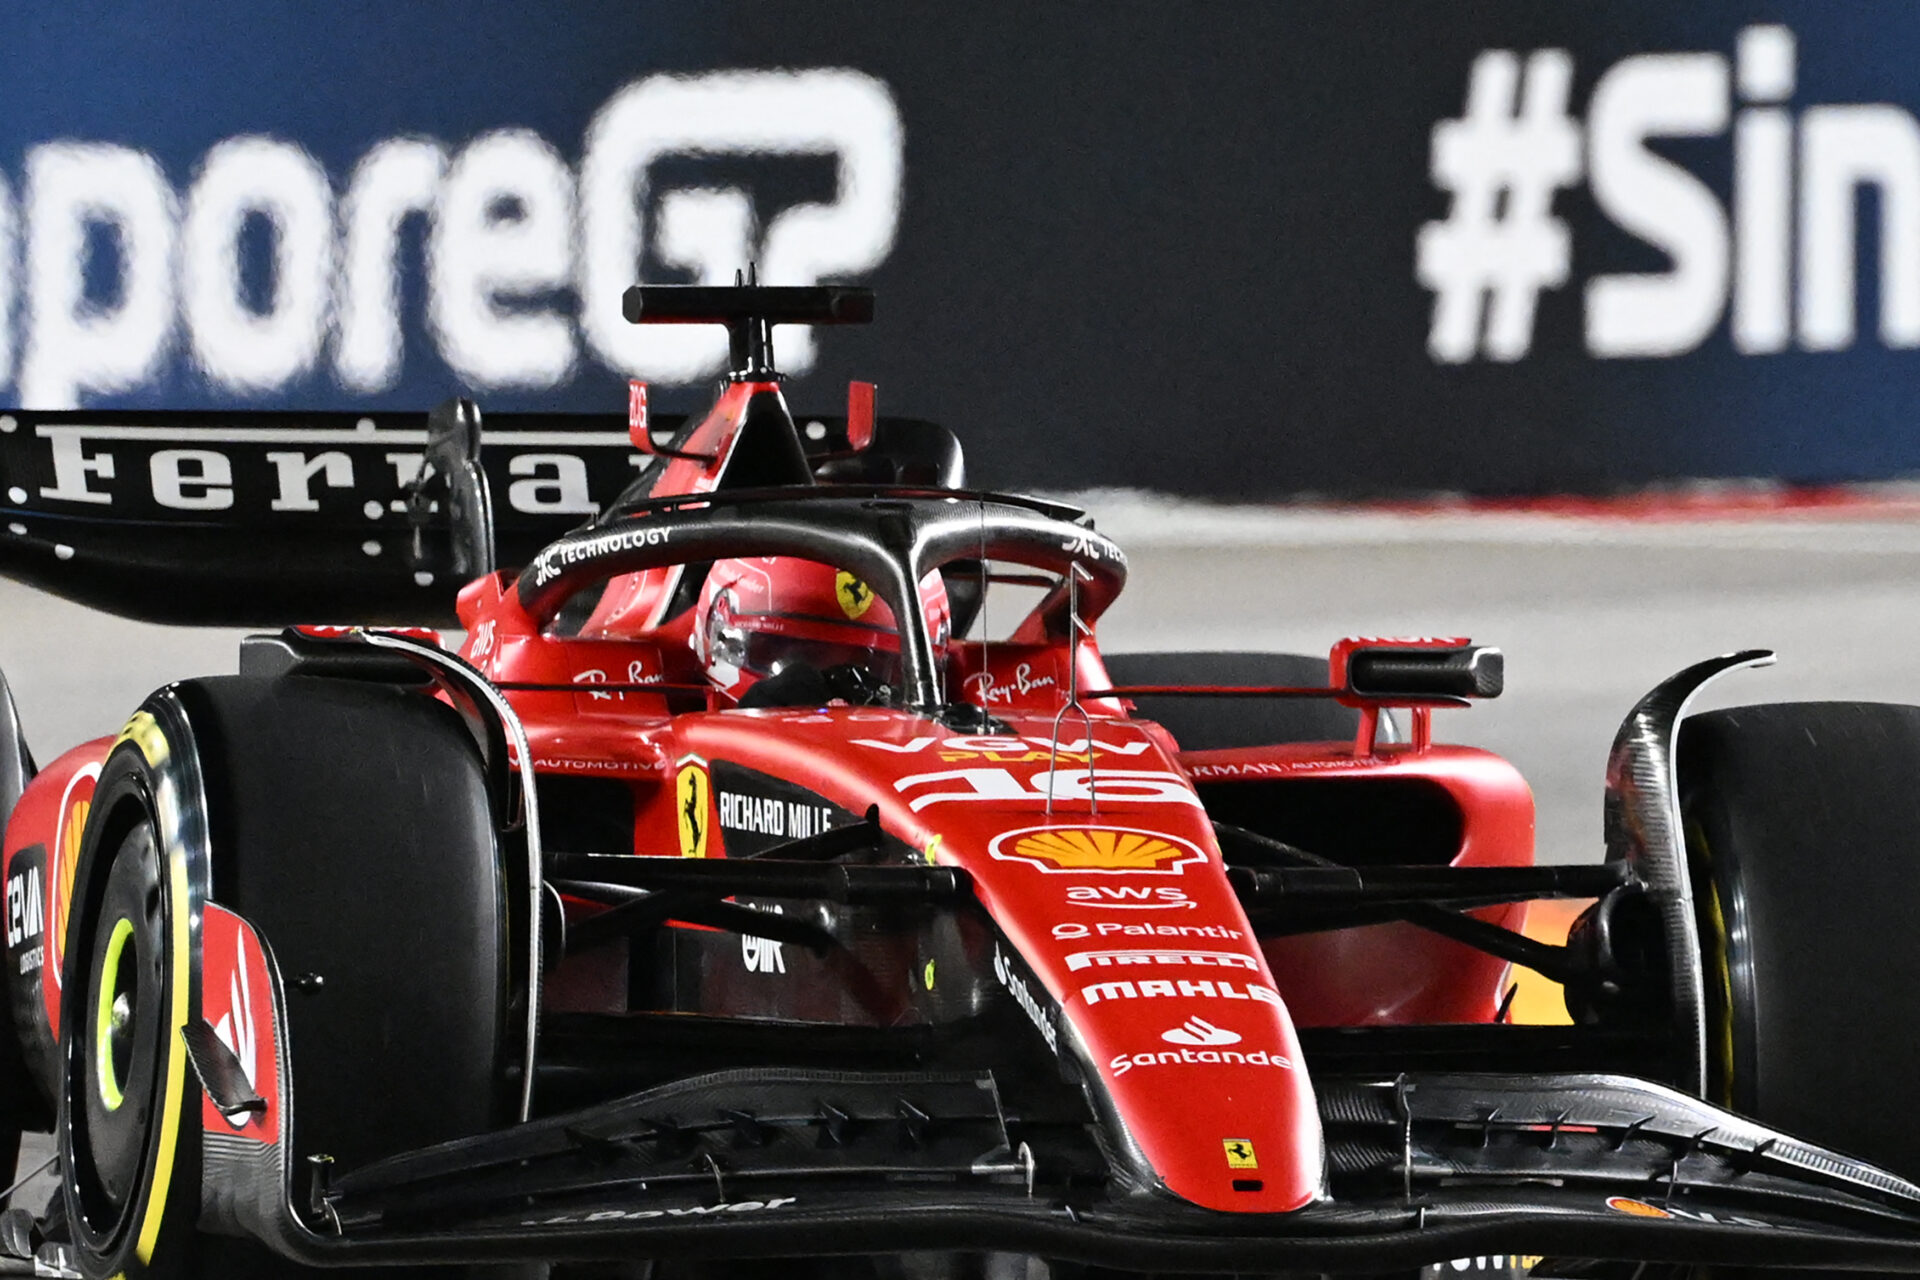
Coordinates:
1421	1168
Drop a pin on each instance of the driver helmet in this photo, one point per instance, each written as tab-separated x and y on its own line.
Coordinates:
759	616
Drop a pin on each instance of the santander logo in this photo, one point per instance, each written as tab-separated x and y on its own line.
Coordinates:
1200	1032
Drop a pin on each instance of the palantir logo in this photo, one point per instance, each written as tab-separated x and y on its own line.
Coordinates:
1782	261
526	258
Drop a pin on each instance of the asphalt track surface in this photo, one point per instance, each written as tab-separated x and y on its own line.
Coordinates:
1592	610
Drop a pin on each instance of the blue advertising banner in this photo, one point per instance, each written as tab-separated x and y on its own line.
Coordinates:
1239	251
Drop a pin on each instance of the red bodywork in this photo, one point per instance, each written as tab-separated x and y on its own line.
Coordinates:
1090	851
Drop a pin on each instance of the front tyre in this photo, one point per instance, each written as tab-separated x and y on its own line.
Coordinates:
127	1139
1803	838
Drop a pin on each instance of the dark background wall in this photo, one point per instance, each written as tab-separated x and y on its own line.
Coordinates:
1172	247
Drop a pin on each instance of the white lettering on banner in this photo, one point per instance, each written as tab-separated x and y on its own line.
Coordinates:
556	484
69	346
1153	989
1115	786
1637	100
511	231
839	113
1217	959
72	465
192	479
501	235
397	179
406	467
1517	144
296	473
242	178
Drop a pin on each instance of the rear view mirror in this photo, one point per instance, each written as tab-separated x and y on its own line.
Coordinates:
1389	672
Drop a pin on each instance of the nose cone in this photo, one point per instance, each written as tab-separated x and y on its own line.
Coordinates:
1132	930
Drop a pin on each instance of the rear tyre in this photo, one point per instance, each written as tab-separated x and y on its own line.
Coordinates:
1207	724
1803	835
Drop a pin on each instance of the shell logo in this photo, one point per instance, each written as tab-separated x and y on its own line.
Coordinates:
72	828
1098	849
1635	1208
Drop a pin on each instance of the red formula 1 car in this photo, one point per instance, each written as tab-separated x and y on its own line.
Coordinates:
779	870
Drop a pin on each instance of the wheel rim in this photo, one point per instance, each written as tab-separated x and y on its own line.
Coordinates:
113	1080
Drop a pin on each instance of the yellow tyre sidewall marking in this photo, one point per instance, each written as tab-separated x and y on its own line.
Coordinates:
145	734
105	1079
175	1075
143	731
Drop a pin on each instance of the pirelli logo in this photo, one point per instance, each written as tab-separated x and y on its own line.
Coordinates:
1197	959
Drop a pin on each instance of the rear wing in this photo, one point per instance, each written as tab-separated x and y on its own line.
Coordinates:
267	519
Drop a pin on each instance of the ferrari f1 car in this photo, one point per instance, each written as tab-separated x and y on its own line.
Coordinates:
779	870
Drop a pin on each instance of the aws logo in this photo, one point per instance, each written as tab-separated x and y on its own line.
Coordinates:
1103	849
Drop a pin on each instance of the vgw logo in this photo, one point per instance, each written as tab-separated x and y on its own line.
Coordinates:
1516	145
518	244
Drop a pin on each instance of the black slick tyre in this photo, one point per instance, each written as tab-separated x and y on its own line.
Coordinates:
1801	822
350	824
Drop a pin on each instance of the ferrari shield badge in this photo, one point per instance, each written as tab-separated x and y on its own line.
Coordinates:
693	794
855	596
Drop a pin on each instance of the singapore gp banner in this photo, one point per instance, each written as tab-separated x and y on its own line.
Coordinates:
1242	251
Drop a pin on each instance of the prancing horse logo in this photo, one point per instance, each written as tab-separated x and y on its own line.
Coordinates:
855	596
692	790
